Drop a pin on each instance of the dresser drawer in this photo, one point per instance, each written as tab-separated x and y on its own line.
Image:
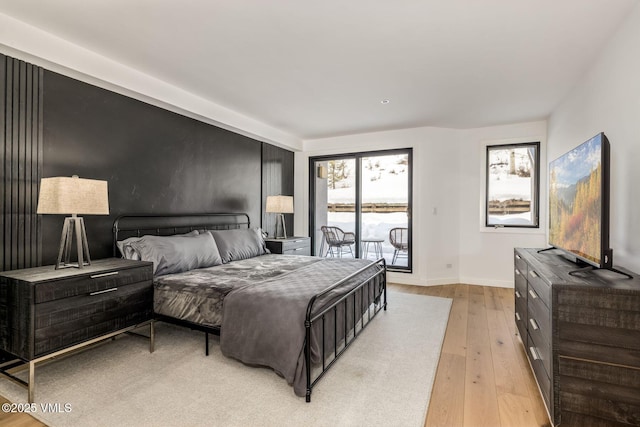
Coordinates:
520	286
521	317
541	288
65	322
520	264
539	315
90	283
540	339
539	371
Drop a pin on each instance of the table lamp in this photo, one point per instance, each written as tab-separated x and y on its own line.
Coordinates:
280	205
73	196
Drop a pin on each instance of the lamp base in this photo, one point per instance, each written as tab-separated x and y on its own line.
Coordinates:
280	220
72	224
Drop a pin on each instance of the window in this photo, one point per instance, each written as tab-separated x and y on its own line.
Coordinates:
513	178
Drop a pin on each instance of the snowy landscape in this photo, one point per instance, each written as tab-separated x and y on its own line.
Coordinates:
510	180
384	180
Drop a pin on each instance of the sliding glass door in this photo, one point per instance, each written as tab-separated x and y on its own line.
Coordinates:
361	206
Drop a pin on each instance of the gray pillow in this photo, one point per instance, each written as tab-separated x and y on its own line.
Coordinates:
175	254
235	245
127	251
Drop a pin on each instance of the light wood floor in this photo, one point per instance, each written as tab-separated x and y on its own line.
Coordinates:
483	378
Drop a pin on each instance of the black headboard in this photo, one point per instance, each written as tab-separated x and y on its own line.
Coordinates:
165	225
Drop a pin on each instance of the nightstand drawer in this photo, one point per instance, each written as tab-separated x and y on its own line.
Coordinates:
90	283
295	243
65	322
290	246
303	250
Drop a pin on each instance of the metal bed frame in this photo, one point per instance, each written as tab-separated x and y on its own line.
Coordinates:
369	295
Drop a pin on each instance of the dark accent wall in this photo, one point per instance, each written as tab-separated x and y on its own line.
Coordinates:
277	178
154	160
20	162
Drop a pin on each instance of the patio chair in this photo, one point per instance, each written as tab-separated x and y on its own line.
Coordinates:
399	239
337	241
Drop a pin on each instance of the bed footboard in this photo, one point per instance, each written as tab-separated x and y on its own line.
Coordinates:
347	317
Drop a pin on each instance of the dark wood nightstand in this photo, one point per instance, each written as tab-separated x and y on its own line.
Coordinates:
46	312
290	246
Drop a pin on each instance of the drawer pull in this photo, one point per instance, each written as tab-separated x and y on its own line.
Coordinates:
518	256
103	292
517	272
534	353
533	273
518	295
96	276
534	324
518	316
299	249
533	294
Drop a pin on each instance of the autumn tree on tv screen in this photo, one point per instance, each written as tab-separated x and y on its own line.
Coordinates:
575	201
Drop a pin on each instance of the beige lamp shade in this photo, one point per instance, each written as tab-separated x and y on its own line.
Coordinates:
73	195
279	204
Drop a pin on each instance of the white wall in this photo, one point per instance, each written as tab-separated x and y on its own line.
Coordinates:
435	180
486	254
607	100
448	166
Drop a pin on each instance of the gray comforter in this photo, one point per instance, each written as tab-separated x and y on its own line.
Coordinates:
197	296
263	323
260	304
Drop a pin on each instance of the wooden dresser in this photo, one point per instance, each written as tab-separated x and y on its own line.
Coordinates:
581	334
46	312
290	246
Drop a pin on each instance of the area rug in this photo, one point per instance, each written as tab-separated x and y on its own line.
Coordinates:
384	378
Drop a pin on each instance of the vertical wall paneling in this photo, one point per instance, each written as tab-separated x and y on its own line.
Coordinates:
277	178
21	125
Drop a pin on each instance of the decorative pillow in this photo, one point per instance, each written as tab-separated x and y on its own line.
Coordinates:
175	254
127	251
235	245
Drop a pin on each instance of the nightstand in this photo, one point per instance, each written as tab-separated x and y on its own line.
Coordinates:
290	245
46	312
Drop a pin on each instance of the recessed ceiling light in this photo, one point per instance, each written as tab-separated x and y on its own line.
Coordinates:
384	101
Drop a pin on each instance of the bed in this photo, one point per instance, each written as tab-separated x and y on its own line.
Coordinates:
294	314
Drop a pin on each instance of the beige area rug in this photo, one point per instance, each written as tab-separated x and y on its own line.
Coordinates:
385	378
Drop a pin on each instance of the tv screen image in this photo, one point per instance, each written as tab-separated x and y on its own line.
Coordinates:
579	202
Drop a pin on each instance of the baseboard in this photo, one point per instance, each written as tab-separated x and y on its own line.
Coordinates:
487	282
409	279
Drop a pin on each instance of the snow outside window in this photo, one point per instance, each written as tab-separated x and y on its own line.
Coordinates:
513	185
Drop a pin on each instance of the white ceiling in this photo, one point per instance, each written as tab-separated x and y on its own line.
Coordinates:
320	68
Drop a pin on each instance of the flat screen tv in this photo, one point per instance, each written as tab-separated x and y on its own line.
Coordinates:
579	203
